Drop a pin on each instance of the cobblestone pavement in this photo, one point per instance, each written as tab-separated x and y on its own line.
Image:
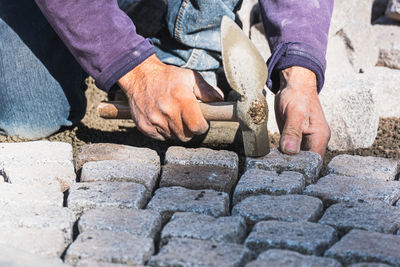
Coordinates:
116	205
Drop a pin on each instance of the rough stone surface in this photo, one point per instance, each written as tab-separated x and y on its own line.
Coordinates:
303	237
145	223
335	188
364	167
121	171
257	182
307	163
337	58
203	227
100	152
359	246
85	196
199	177
169	200
190	252
377	217
91	263
292	208
389	48
106	246
369	264
44	242
393	10
278	257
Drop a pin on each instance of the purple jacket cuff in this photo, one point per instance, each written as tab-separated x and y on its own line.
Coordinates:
287	55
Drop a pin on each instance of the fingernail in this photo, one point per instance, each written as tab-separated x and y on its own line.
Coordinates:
290	146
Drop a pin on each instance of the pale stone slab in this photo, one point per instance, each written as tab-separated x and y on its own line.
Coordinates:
258	182
335	188
364	167
287	258
86	196
389	48
292	208
359	246
145	223
203	227
169	200
191	252
303	237
91	263
107	246
306	162
121	171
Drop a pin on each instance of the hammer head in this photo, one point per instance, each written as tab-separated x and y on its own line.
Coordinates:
247	74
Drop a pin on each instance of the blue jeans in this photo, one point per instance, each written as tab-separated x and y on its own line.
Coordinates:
42	86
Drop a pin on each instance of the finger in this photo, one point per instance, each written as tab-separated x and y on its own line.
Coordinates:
192	117
292	132
179	130
317	141
204	91
160	123
150	131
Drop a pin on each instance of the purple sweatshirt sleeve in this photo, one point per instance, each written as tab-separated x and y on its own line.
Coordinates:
100	36
297	32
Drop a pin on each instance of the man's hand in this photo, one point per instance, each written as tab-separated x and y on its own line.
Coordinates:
299	113
163	99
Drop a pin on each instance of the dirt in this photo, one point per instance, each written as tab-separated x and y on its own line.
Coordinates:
93	129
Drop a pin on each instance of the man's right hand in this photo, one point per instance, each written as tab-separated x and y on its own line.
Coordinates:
163	99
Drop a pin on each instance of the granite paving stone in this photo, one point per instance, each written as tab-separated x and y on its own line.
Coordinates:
287	258
336	188
363	246
363	167
91	263
306	162
259	182
107	246
293	208
376	217
104	151
86	196
191	252
145	223
121	171
303	237
369	264
169	200
198	226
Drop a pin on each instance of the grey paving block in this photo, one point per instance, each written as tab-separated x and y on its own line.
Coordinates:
204	227
86	196
191	252
306	162
377	217
44	242
287	258
199	177
107	246
284	208
145	173
91	263
104	151
363	167
363	246
145	223
259	182
303	237
369	264
169	200
335	188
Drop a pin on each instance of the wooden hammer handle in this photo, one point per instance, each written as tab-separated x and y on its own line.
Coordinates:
217	111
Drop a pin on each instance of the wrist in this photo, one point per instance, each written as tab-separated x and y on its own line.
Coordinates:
298	77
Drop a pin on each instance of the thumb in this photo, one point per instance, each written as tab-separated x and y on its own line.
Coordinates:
292	133
204	91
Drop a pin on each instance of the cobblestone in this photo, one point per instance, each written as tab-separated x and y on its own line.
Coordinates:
307	163
286	208
359	246
377	217
121	171
100	152
335	188
85	196
145	223
369	264
278	257
258	182
169	200
364	167
90	263
191	252
203	227
303	237
106	246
